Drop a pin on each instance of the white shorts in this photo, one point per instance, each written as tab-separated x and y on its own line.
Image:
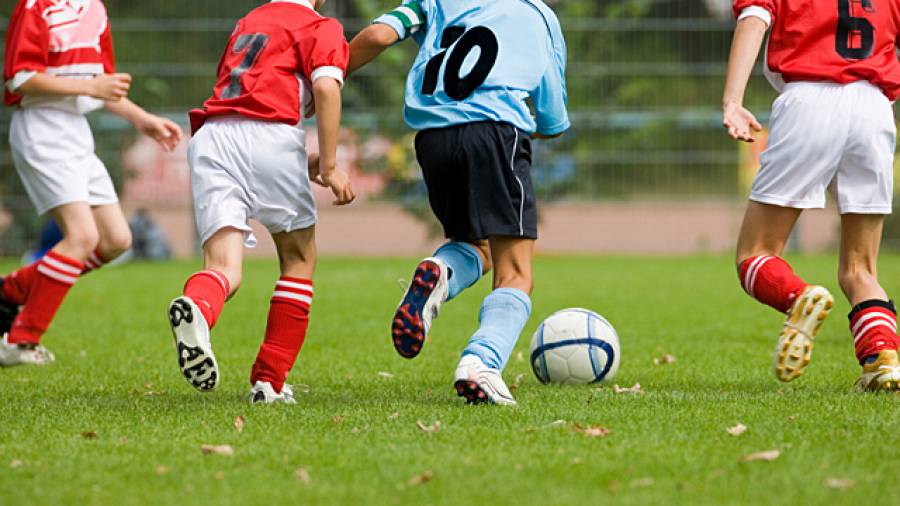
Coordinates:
829	136
243	169
53	152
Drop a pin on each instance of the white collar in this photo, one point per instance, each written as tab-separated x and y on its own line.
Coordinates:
304	3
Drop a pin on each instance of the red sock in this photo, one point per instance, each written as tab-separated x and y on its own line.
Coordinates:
771	281
285	331
873	324
208	289
17	284
53	277
94	262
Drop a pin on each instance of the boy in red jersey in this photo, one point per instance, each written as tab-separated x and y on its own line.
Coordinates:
832	127
248	160
59	66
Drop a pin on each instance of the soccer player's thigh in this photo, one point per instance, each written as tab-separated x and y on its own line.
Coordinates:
446	178
283	196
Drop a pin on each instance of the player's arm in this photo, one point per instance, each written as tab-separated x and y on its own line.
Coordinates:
162	130
384	32
550	97
323	169
748	39
109	87
370	43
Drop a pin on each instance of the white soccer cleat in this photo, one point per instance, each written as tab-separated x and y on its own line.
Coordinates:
479	383
795	344
262	392
23	354
420	305
195	355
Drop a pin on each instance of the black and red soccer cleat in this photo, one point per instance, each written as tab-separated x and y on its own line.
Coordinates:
419	307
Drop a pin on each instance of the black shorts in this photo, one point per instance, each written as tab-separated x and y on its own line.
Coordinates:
479	180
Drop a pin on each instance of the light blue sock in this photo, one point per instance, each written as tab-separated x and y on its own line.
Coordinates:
503	315
465	265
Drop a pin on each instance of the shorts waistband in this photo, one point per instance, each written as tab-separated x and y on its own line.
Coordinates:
831	85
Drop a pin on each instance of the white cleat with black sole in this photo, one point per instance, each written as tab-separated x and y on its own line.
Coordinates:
480	384
195	355
263	393
23	354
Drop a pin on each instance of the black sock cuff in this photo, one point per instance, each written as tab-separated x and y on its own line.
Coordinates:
867	304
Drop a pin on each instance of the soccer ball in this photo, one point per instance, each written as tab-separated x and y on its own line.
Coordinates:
575	346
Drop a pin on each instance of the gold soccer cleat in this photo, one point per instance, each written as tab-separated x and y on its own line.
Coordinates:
795	344
882	375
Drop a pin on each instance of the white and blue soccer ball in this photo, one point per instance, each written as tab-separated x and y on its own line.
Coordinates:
575	346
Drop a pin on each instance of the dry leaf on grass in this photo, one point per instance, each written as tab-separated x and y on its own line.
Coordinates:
393	416
385	374
555	423
161	470
420	479
839	483
239	424
665	359
15	463
219	475
355	430
766	456
520	357
429	429
225	450
516	382
643	482
592	430
737	430
634	389
337	419
89	434
302	476
304	389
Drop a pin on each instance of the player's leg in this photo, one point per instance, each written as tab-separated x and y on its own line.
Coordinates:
769	279
502	317
194	314
873	319
288	317
50	280
115	236
465	256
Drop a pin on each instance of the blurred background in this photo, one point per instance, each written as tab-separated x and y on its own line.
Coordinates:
646	167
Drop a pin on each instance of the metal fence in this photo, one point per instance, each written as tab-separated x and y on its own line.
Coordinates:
644	84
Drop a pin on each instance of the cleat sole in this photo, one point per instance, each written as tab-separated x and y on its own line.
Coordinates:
793	352
471	392
407	327
198	366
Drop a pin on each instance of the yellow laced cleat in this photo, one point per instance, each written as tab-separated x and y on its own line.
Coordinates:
794	349
882	375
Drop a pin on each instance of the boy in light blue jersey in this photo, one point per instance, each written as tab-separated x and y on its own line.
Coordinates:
467	94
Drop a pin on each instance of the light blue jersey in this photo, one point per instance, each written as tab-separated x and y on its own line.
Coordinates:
481	61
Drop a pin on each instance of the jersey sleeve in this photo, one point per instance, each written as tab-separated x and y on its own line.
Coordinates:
550	97
325	52
765	10
27	46
406	20
106	50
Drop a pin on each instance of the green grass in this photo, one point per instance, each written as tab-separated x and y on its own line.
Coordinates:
355	432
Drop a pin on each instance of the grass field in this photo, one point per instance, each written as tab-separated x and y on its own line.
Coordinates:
353	439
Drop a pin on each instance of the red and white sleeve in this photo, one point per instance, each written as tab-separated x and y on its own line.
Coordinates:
106	50
27	46
765	10
325	52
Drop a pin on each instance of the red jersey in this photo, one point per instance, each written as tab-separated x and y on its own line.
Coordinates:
69	38
273	55
842	41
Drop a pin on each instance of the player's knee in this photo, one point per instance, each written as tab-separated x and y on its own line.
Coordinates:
113	245
84	239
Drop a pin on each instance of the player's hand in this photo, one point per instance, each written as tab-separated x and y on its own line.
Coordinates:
162	130
339	183
110	87
739	122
